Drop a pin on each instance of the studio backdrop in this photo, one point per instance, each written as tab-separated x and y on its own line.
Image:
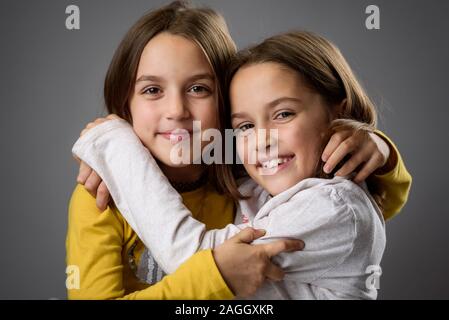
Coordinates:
52	72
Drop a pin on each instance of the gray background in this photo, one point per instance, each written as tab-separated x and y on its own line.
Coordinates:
51	86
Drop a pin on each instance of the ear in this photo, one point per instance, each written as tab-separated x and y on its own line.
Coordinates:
337	110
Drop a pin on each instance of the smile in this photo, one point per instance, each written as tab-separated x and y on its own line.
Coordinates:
273	166
176	135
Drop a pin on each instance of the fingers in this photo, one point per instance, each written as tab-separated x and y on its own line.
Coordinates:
91	125
102	196
83	173
334	142
274	248
373	163
365	148
248	235
382	147
342	150
92	183
113	116
354	162
273	272
98	121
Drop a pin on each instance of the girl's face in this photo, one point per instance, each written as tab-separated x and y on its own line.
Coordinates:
175	85
271	96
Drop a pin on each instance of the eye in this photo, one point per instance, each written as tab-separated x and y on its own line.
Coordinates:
283	115
152	91
198	89
245	127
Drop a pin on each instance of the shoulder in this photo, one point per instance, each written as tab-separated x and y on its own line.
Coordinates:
318	201
333	191
337	199
315	212
356	197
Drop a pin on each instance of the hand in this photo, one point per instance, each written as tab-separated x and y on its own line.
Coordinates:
88	177
98	121
366	149
94	184
245	267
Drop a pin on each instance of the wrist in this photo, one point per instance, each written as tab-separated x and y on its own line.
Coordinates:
217	255
392	159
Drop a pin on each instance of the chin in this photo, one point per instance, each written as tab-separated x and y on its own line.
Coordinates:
275	188
273	185
279	183
167	162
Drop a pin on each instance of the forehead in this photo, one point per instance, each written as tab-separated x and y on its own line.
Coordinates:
168	54
263	82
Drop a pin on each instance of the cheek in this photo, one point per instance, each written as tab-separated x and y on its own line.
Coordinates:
206	112
144	117
306	142
241	149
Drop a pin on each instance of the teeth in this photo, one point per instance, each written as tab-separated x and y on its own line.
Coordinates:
274	162
270	164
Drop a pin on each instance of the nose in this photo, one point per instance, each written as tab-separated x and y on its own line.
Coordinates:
176	108
261	145
266	140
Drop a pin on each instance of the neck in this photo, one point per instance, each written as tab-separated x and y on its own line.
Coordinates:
186	174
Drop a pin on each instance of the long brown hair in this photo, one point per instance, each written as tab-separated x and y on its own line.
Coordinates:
324	69
204	26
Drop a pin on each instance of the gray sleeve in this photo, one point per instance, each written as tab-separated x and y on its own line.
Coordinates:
144	196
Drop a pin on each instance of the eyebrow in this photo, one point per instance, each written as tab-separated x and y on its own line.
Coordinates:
238	115
148	78
160	79
269	105
275	102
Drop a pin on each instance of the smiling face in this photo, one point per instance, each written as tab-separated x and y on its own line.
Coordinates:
175	86
271	96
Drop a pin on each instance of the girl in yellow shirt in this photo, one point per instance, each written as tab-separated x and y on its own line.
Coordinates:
149	85
167	72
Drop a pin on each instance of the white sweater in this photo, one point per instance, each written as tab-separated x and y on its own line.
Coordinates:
339	222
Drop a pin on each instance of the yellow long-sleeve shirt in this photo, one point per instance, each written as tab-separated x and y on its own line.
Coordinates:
105	250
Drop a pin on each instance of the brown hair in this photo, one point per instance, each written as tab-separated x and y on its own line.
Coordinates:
202	25
324	69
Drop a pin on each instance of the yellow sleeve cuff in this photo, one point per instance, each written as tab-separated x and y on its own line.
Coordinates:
395	183
205	263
